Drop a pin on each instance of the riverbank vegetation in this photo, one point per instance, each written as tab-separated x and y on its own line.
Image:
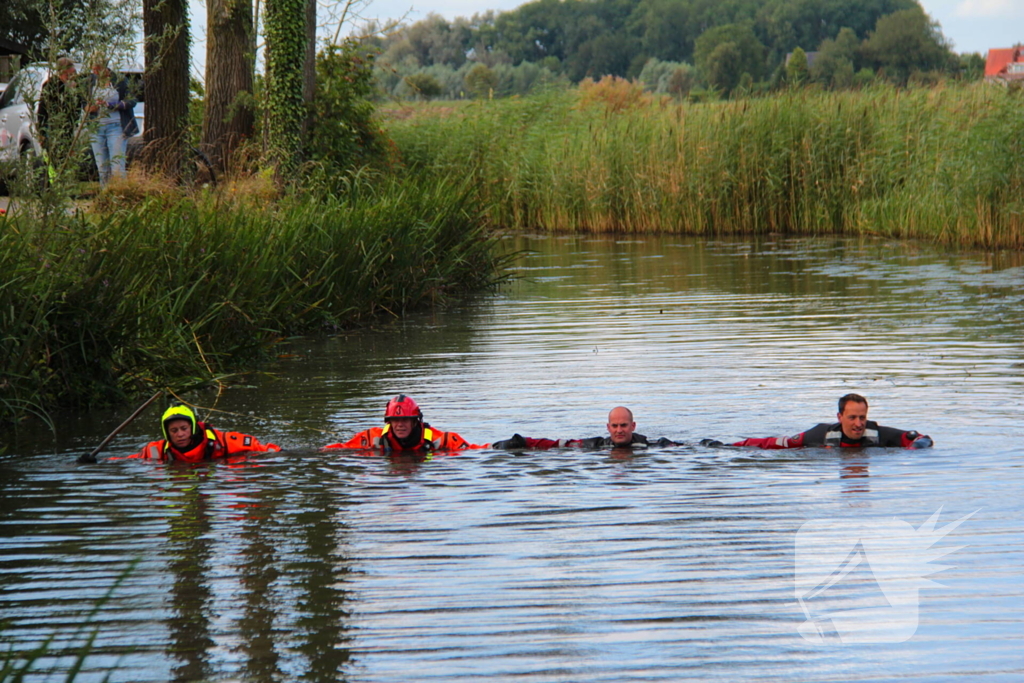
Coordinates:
944	163
100	306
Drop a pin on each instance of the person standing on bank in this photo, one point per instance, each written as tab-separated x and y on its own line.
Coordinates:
189	440
853	430
113	110
59	115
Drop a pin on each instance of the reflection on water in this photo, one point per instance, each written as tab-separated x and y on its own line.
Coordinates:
676	564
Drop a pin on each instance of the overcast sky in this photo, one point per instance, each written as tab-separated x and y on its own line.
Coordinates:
972	25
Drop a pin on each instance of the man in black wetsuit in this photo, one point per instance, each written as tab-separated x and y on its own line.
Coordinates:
621	434
853	430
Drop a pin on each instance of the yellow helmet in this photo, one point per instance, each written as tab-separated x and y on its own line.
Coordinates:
177	413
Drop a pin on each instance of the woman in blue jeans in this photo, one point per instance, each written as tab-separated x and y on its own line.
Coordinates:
114	110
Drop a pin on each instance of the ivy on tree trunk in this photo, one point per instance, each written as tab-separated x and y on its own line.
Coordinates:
285	28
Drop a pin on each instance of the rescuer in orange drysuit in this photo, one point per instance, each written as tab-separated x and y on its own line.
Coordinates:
189	440
405	430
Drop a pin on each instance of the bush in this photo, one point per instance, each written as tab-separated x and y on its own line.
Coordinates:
345	133
423	84
616	94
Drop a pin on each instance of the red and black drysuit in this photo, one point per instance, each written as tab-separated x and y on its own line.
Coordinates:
832	436
594	443
207	444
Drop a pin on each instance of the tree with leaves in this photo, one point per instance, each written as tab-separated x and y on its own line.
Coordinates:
837	60
424	85
725	52
76	27
481	81
907	41
797	71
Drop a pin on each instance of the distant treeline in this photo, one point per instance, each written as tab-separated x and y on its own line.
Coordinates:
672	46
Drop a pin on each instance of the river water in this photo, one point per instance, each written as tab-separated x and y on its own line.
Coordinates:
684	563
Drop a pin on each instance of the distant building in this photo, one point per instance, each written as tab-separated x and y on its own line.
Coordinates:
1005	64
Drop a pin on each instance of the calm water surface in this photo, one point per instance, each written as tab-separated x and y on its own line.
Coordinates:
676	564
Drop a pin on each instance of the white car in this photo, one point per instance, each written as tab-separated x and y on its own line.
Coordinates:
19	103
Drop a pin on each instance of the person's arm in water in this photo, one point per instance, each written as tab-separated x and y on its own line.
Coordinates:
901	438
519	442
368	438
236	442
773	442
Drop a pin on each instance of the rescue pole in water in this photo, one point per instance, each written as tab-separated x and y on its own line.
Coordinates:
91	457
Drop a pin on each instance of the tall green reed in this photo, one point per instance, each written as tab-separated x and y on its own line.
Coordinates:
106	306
16	666
942	163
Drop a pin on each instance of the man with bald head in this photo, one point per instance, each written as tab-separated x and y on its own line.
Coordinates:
621	434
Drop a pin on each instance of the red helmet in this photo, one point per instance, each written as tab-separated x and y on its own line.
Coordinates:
402	406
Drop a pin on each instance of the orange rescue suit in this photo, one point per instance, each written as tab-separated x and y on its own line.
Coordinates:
430	440
214	444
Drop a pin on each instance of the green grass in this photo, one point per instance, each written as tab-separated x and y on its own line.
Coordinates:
95	309
945	164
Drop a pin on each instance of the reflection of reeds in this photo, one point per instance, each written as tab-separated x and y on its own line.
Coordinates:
945	163
15	666
170	293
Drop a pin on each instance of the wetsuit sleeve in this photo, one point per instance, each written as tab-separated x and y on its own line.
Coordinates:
897	438
664	443
774	442
236	442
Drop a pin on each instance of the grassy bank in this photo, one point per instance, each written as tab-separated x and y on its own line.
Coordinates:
944	164
98	307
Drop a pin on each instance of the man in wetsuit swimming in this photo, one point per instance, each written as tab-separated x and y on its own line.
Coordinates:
621	434
853	430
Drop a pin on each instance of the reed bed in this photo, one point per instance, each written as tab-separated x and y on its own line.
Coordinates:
944	164
100	307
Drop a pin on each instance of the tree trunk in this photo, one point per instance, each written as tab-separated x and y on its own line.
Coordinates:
309	69
165	24
228	115
285	29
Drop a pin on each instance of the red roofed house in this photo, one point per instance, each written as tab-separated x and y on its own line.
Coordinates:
1005	64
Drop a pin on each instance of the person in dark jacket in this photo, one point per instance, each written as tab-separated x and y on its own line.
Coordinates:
853	430
621	434
59	116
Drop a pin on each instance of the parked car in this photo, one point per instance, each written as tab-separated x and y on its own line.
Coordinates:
19	104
